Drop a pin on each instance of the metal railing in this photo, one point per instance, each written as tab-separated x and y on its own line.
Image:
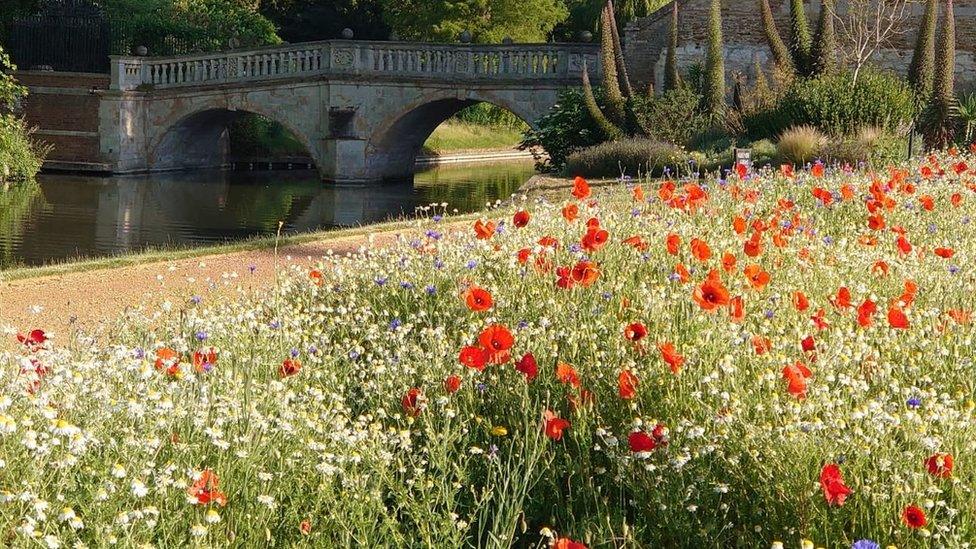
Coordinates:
390	60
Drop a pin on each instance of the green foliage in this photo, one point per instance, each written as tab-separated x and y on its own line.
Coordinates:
671	77
939	121
169	27
714	93
489	21
618	51
800	41
486	114
631	157
611	87
253	135
966	111
823	55
309	20
584	15
565	128
921	71
675	116
20	158
831	104
801	144
781	54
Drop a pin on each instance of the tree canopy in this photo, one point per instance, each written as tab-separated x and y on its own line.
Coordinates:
487	20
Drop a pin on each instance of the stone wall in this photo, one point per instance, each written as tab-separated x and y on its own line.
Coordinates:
63	107
646	38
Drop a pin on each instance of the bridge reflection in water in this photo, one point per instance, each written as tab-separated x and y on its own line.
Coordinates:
77	216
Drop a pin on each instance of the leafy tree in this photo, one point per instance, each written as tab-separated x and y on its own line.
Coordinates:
921	71
714	100
309	20
489	21
584	15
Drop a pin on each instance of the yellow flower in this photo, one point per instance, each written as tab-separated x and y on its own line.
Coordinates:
806	544
499	431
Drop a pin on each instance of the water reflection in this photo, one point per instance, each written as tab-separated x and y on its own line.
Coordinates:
73	216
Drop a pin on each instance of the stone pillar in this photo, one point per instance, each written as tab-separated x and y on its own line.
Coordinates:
345	161
122	131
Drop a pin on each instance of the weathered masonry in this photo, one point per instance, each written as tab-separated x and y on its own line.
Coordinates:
745	44
362	109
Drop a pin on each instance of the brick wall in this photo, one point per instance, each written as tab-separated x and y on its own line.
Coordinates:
63	109
646	38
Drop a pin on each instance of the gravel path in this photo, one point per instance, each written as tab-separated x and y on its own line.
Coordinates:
94	300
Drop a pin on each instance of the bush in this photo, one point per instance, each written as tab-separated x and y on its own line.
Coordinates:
486	114
675	116
566	128
800	144
871	146
20	158
633	157
832	105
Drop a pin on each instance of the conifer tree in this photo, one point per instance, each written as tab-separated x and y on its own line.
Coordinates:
823	54
671	77
714	100
781	54
800	41
611	87
940	128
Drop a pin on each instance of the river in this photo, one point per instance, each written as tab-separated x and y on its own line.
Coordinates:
67	217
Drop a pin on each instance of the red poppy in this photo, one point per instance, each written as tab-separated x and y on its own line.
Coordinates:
412	402
940	465
477	299
796	376
594	239
739	224
570	212
786	170
945	253
638	193
876	222
640	441
166	358
736	309
758	278
904	246
452	383
956	199
728	262
305	527
585	273
637	242
897	318
880	268
808	344
914	517
635	332
741	170
928	203
700	249
819	321
960	167
711	294
566	543
566	374
627	385
666	190
672	242
474	357
832	483
204	489
843	298
204	359
316	277
761	345
670	355
865	312
581	189
484	230
520	219
549	242
817	170
959	316
800	301
753	246
289	367
527	366
554	425
497	340
523	255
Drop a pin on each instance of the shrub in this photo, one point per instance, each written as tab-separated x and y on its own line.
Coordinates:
20	158
675	116
567	127
833	105
631	157
801	144
872	146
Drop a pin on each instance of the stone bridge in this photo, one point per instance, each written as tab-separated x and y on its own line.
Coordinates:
362	109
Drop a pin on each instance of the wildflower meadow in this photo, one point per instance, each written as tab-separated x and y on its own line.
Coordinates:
771	359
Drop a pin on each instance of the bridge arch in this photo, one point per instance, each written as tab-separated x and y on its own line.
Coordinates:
198	136
392	149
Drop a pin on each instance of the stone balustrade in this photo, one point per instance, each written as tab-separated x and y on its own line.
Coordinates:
384	60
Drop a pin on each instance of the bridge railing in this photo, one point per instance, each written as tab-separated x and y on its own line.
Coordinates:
547	62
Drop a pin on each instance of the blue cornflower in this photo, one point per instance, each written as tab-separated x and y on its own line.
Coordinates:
914	402
312	349
472	264
953	269
827	240
438	264
353	355
431	290
769	313
865	544
201	335
406	285
432	234
139	353
252	267
380	280
294	352
932	228
395	323
437	218
274	324
196	300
